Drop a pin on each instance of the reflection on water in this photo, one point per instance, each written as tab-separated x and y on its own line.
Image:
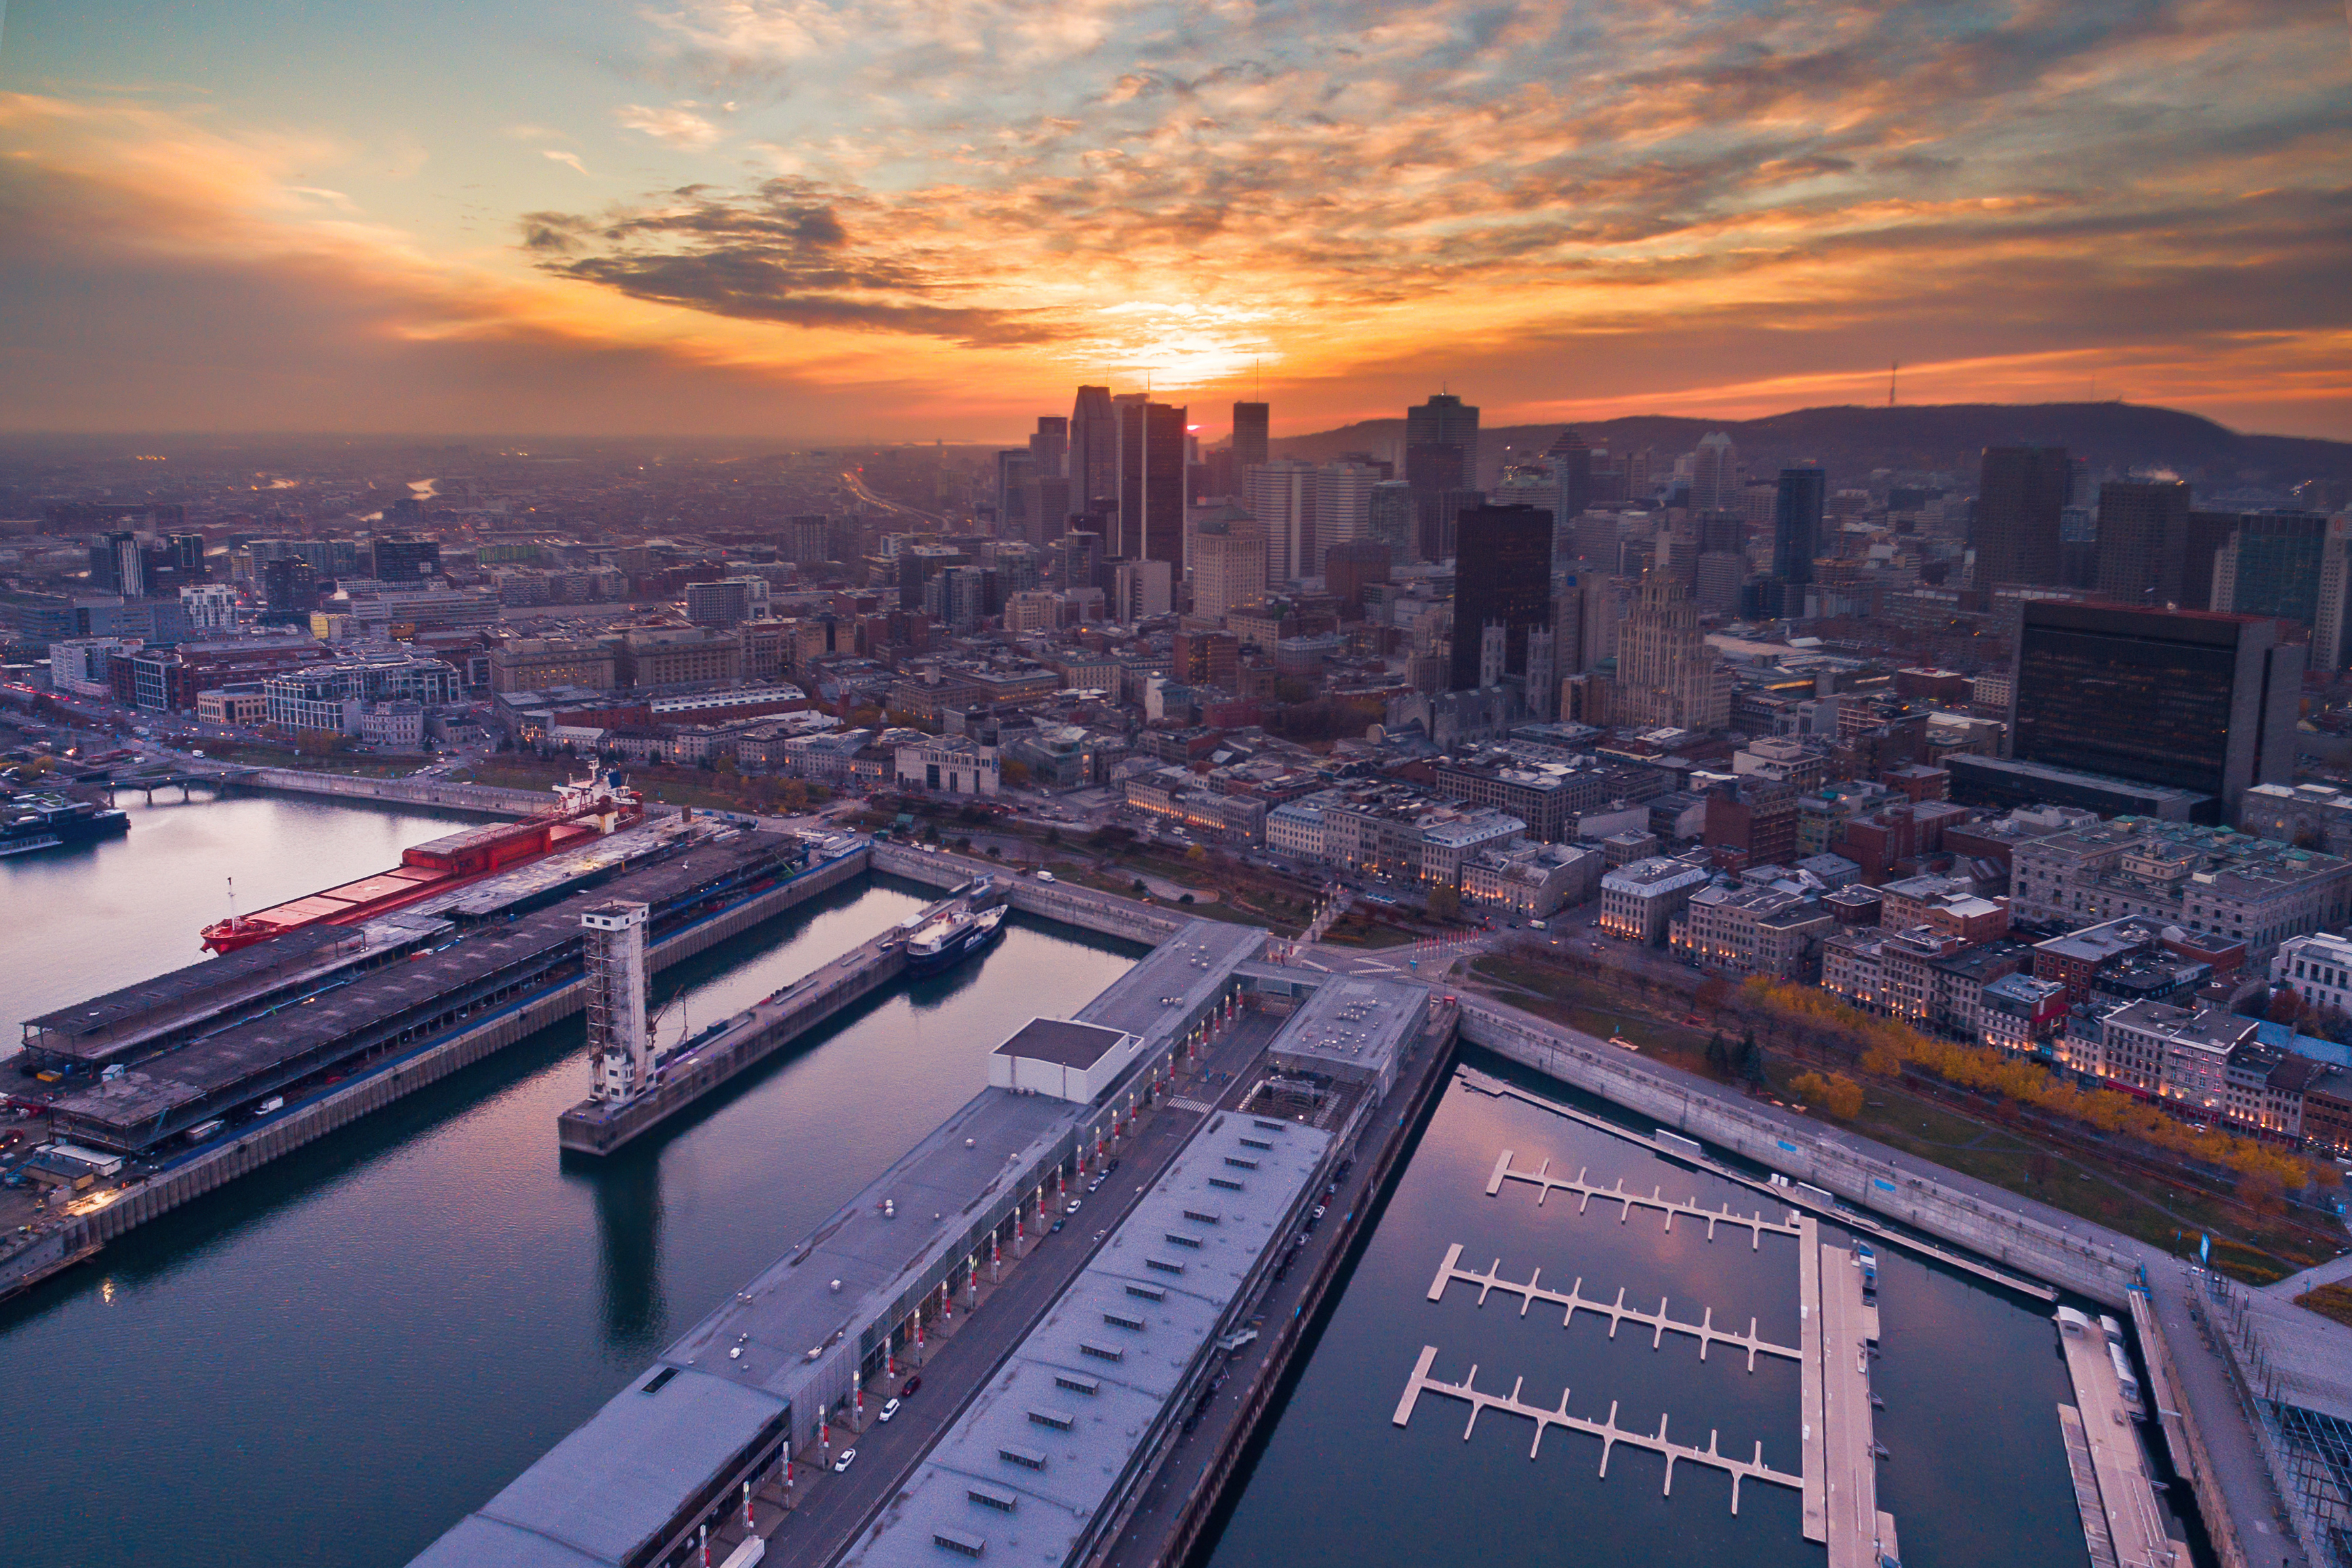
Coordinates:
332	1360
1978	1474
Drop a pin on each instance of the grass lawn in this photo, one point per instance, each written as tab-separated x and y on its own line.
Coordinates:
2166	1212
358	765
2330	1302
1372	938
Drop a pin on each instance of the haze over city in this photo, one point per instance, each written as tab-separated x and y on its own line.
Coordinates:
880	220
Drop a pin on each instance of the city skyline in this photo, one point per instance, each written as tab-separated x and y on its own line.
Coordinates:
851	223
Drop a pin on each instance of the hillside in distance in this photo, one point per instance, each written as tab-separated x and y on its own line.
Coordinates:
1852	441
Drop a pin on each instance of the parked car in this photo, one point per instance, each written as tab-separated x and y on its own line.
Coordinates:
912	1384
888	1410
843	1463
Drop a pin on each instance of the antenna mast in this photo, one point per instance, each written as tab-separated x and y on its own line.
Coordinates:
1892	367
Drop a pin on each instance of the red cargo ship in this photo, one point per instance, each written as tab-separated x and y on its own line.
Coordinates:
581	810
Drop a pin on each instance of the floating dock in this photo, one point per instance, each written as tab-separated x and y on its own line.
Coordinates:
1547	1184
1573	1300
1607	1430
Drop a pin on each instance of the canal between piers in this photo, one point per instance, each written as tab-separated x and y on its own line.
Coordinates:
331	1361
1971	1377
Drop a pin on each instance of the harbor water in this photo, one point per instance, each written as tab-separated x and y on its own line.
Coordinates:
1971	1377
331	1361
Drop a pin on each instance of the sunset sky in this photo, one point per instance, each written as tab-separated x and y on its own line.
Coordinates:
890	219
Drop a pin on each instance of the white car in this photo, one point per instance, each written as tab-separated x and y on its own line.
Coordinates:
887	1411
1071	1206
842	1463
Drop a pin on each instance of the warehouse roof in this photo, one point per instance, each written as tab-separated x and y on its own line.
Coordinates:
1064	1044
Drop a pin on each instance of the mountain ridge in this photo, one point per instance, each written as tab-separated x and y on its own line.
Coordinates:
1851	440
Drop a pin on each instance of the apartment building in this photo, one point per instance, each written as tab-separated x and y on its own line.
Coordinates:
1744	931
1640	900
2212	881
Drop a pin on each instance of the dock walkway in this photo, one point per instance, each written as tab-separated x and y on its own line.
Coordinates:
1607	1430
1572	1300
1849	1451
2135	1526
1547	1184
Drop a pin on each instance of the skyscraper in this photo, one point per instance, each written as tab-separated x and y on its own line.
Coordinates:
1797	523
1249	435
1049	447
1571	468
2289	566
1714	474
1391	518
1014	469
1667	673
2021	492
2143	542
2188	699
1093	462
1148	480
1502	577
1343	503
1281	495
1228	567
1441	454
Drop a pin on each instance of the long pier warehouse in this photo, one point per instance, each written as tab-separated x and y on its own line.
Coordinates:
783	1362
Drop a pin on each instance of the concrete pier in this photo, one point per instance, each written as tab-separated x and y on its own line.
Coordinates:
1811	1430
1547	1184
1608	1431
2110	1449
1573	1300
1848	1447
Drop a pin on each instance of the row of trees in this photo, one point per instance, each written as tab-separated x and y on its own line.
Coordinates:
1887	1047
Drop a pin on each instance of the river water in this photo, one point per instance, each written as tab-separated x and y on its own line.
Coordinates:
1971	1377
331	1361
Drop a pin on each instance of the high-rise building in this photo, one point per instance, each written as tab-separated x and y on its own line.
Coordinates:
808	540
1281	495
1392	519
1250	423
1049	447
2021	492
1667	673
404	559
1093	467
2290	566
2188	699
1441	455
1078	559
1797	523
2143	542
2206	534
1714	474
1502	577
1015	468
1343	505
1228	567
1351	566
1571	466
1148	471
1141	588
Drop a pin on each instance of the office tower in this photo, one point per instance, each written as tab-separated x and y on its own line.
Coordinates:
2078	547
1797	523
1571	466
1092	463
2190	700
1502	577
1666	674
1049	447
1719	576
130	566
1249	435
1343	505
1598	536
2289	566
729	601
1714	474
186	554
1228	567
2206	534
1077	558
289	586
1349	567
1281	495
2143	542
1206	659
2021	491
808	540
1724	533
404	559
1148	474
1015	467
1141	588
1441	454
1542	684
1391	518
